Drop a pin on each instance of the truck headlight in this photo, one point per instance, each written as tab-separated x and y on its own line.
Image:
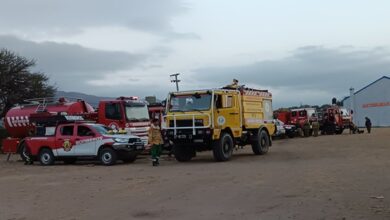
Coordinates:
121	140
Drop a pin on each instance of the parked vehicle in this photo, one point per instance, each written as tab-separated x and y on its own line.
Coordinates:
71	140
218	120
296	118
332	121
125	114
283	129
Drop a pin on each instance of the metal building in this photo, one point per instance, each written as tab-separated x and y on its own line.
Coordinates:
372	101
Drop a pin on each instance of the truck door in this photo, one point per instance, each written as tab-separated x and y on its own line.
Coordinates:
228	113
85	141
65	140
114	115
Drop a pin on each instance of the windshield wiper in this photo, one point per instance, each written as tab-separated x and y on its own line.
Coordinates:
198	110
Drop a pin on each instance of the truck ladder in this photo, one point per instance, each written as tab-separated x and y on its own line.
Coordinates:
41	106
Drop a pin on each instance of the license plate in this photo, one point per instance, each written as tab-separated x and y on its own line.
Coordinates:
181	136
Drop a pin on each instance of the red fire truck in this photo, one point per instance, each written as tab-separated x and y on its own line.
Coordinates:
68	138
332	121
126	114
297	118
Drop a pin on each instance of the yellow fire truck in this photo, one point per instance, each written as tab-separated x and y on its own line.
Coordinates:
219	120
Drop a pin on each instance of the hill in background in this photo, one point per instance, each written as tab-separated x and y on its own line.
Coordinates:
91	99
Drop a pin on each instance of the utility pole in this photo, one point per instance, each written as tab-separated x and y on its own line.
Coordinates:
175	80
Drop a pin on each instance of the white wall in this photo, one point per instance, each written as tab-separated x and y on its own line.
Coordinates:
378	92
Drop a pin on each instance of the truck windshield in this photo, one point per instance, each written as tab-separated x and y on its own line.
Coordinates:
194	102
101	128
137	112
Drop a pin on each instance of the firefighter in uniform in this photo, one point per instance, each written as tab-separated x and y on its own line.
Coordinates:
368	125
234	85
316	128
155	142
299	129
306	128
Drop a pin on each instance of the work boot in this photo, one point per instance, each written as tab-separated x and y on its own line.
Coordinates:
158	161
28	162
154	162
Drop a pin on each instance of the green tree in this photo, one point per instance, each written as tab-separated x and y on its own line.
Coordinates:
18	82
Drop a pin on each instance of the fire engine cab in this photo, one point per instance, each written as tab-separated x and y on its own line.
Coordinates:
69	138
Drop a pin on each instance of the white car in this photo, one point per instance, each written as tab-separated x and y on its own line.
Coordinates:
284	129
280	130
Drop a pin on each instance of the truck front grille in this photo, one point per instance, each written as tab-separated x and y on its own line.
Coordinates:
186	123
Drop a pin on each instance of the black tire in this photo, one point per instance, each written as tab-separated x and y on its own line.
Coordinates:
129	158
183	153
46	157
223	148
71	160
22	151
261	143
108	156
291	134
340	131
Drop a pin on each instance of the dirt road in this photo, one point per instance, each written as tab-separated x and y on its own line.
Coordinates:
328	177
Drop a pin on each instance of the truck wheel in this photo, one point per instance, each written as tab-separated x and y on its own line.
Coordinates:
261	144
223	148
108	156
22	151
46	157
183	153
340	131
129	158
291	134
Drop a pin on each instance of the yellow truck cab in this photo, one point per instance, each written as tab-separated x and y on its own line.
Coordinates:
219	120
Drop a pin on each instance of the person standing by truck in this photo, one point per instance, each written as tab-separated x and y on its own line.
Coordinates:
155	142
368	125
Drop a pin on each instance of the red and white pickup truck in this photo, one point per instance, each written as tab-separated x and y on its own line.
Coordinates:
71	141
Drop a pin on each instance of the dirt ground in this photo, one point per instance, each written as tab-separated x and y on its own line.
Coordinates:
328	177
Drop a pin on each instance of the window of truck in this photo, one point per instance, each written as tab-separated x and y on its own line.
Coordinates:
101	129
194	102
50	131
302	113
113	111
84	131
137	112
224	101
294	114
66	130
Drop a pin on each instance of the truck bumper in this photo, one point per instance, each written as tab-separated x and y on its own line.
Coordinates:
201	136
129	147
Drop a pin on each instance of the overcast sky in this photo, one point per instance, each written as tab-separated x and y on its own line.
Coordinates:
303	51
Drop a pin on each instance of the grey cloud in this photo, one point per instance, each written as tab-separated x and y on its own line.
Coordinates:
71	65
313	68
73	15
